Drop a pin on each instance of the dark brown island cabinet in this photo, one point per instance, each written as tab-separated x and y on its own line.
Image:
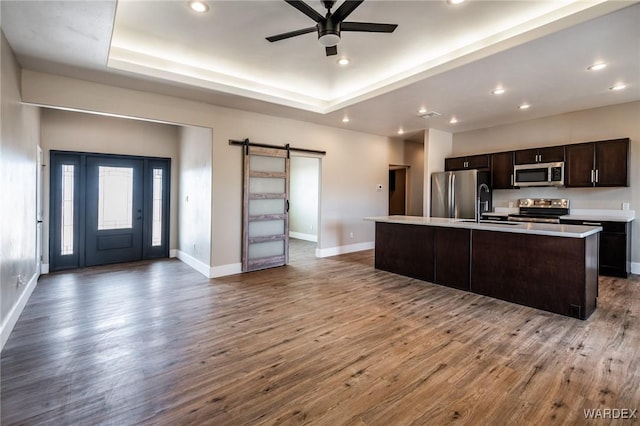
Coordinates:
553	273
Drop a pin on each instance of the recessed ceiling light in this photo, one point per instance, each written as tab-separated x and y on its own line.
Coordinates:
198	6
455	1
401	131
345	119
597	66
422	110
620	86
343	61
524	106
497	91
453	120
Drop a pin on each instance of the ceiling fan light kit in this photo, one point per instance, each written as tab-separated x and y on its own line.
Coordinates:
330	26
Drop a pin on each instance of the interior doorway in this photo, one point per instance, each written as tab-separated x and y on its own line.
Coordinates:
398	183
304	213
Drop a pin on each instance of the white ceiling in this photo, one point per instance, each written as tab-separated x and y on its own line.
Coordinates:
442	57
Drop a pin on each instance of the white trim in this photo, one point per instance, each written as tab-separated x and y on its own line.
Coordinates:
11	319
199	266
635	268
173	253
207	270
302	236
334	251
44	268
224	270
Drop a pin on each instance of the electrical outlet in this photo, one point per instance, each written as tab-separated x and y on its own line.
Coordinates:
20	281
350	234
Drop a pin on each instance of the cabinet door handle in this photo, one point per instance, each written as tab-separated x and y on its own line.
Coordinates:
596	175
592	223
511	179
592	173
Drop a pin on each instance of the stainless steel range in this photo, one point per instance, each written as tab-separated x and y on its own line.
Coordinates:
543	210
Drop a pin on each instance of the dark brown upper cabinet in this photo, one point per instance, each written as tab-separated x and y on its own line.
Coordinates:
502	170
548	154
602	164
467	163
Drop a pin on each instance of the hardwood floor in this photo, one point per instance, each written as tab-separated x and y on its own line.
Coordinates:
321	341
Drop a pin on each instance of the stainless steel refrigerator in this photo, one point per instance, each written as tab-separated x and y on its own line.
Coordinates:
463	194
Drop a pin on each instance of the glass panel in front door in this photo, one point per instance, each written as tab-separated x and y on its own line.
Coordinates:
115	197
156	221
66	215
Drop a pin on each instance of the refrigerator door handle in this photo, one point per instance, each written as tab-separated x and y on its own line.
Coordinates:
452	185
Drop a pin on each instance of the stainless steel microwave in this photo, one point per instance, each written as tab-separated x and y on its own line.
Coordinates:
540	174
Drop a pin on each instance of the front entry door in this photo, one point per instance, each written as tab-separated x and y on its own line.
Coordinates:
107	209
114	208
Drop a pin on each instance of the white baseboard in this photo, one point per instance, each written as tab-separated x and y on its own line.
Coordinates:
44	268
301	236
199	266
334	251
635	268
11	319
206	270
173	253
224	270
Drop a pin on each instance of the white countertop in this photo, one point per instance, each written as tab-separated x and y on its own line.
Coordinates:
549	229
601	215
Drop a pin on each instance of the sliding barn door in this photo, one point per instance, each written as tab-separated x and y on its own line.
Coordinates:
265	231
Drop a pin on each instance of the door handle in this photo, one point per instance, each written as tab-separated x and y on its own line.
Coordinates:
287	206
39	221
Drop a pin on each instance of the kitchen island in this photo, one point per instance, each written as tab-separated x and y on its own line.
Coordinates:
545	266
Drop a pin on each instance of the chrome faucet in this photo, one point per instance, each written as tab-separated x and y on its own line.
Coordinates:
481	188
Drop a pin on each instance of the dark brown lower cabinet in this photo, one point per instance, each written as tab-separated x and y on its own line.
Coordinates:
453	253
556	274
615	246
405	250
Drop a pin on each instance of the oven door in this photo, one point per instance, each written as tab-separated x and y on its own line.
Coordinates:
533	219
543	174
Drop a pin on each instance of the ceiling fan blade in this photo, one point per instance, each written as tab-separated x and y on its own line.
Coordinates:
291	34
345	9
331	50
306	9
370	27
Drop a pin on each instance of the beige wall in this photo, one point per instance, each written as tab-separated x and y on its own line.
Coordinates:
304	190
77	131
19	135
437	146
355	162
611	122
194	196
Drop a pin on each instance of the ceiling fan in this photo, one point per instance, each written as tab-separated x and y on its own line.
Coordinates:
329	27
